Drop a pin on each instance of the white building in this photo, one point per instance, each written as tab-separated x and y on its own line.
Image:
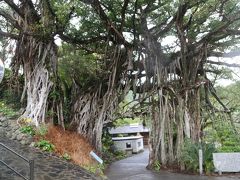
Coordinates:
133	144
131	130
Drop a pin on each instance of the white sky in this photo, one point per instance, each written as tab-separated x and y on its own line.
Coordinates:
171	41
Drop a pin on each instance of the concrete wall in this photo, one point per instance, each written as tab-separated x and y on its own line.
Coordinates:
135	145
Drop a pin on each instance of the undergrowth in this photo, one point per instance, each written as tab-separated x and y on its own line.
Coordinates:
7	110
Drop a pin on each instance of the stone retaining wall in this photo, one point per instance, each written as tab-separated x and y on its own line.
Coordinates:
10	129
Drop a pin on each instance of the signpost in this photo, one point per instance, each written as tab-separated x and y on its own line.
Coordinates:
200	153
1	70
95	156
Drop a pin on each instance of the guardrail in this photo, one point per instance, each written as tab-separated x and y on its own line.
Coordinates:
30	162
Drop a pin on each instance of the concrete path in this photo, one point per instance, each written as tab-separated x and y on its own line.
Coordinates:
46	167
133	168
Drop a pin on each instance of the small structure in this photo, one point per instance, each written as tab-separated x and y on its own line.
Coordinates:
130	138
132	144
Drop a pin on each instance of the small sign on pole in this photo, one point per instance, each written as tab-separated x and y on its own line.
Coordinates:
95	156
1	70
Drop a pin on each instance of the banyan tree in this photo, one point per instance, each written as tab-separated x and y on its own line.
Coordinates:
176	86
129	41
170	80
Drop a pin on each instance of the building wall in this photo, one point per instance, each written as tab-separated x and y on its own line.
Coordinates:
134	145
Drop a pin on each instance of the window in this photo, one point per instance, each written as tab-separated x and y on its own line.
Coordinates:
128	145
139	144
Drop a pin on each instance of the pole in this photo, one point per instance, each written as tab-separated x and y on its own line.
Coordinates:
200	153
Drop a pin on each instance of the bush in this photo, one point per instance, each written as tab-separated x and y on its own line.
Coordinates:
45	145
42	130
28	130
66	156
157	166
110	154
190	156
7	110
96	169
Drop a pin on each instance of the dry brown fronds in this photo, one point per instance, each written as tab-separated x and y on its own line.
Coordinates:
71	143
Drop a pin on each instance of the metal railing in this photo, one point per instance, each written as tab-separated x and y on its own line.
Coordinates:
30	162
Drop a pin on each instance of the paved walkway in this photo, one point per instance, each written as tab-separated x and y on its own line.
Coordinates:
46	167
133	168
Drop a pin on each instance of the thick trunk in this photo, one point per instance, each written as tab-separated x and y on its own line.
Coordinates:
36	53
182	118
178	108
36	57
38	88
94	107
90	112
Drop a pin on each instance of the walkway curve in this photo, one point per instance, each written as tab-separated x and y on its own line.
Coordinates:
134	168
46	167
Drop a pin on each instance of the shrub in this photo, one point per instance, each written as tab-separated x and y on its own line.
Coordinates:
157	166
28	130
110	154
42	130
25	121
66	156
45	145
190	155
7	110
96	169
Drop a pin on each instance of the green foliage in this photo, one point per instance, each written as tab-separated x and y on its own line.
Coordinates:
157	166
6	110
109	152
96	169
42	130
66	156
8	93
127	121
223	129
45	145
119	155
28	130
224	135
75	65
190	155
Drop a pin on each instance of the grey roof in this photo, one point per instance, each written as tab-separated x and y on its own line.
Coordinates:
128	129
126	138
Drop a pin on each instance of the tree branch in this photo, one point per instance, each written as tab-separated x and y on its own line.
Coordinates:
9	18
109	25
124	8
223	63
33	10
74	40
8	35
14	7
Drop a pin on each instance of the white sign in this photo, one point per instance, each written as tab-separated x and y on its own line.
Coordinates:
96	157
1	70
226	162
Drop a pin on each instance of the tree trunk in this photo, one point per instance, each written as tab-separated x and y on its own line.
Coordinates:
36	54
91	112
178	107
94	107
36	57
